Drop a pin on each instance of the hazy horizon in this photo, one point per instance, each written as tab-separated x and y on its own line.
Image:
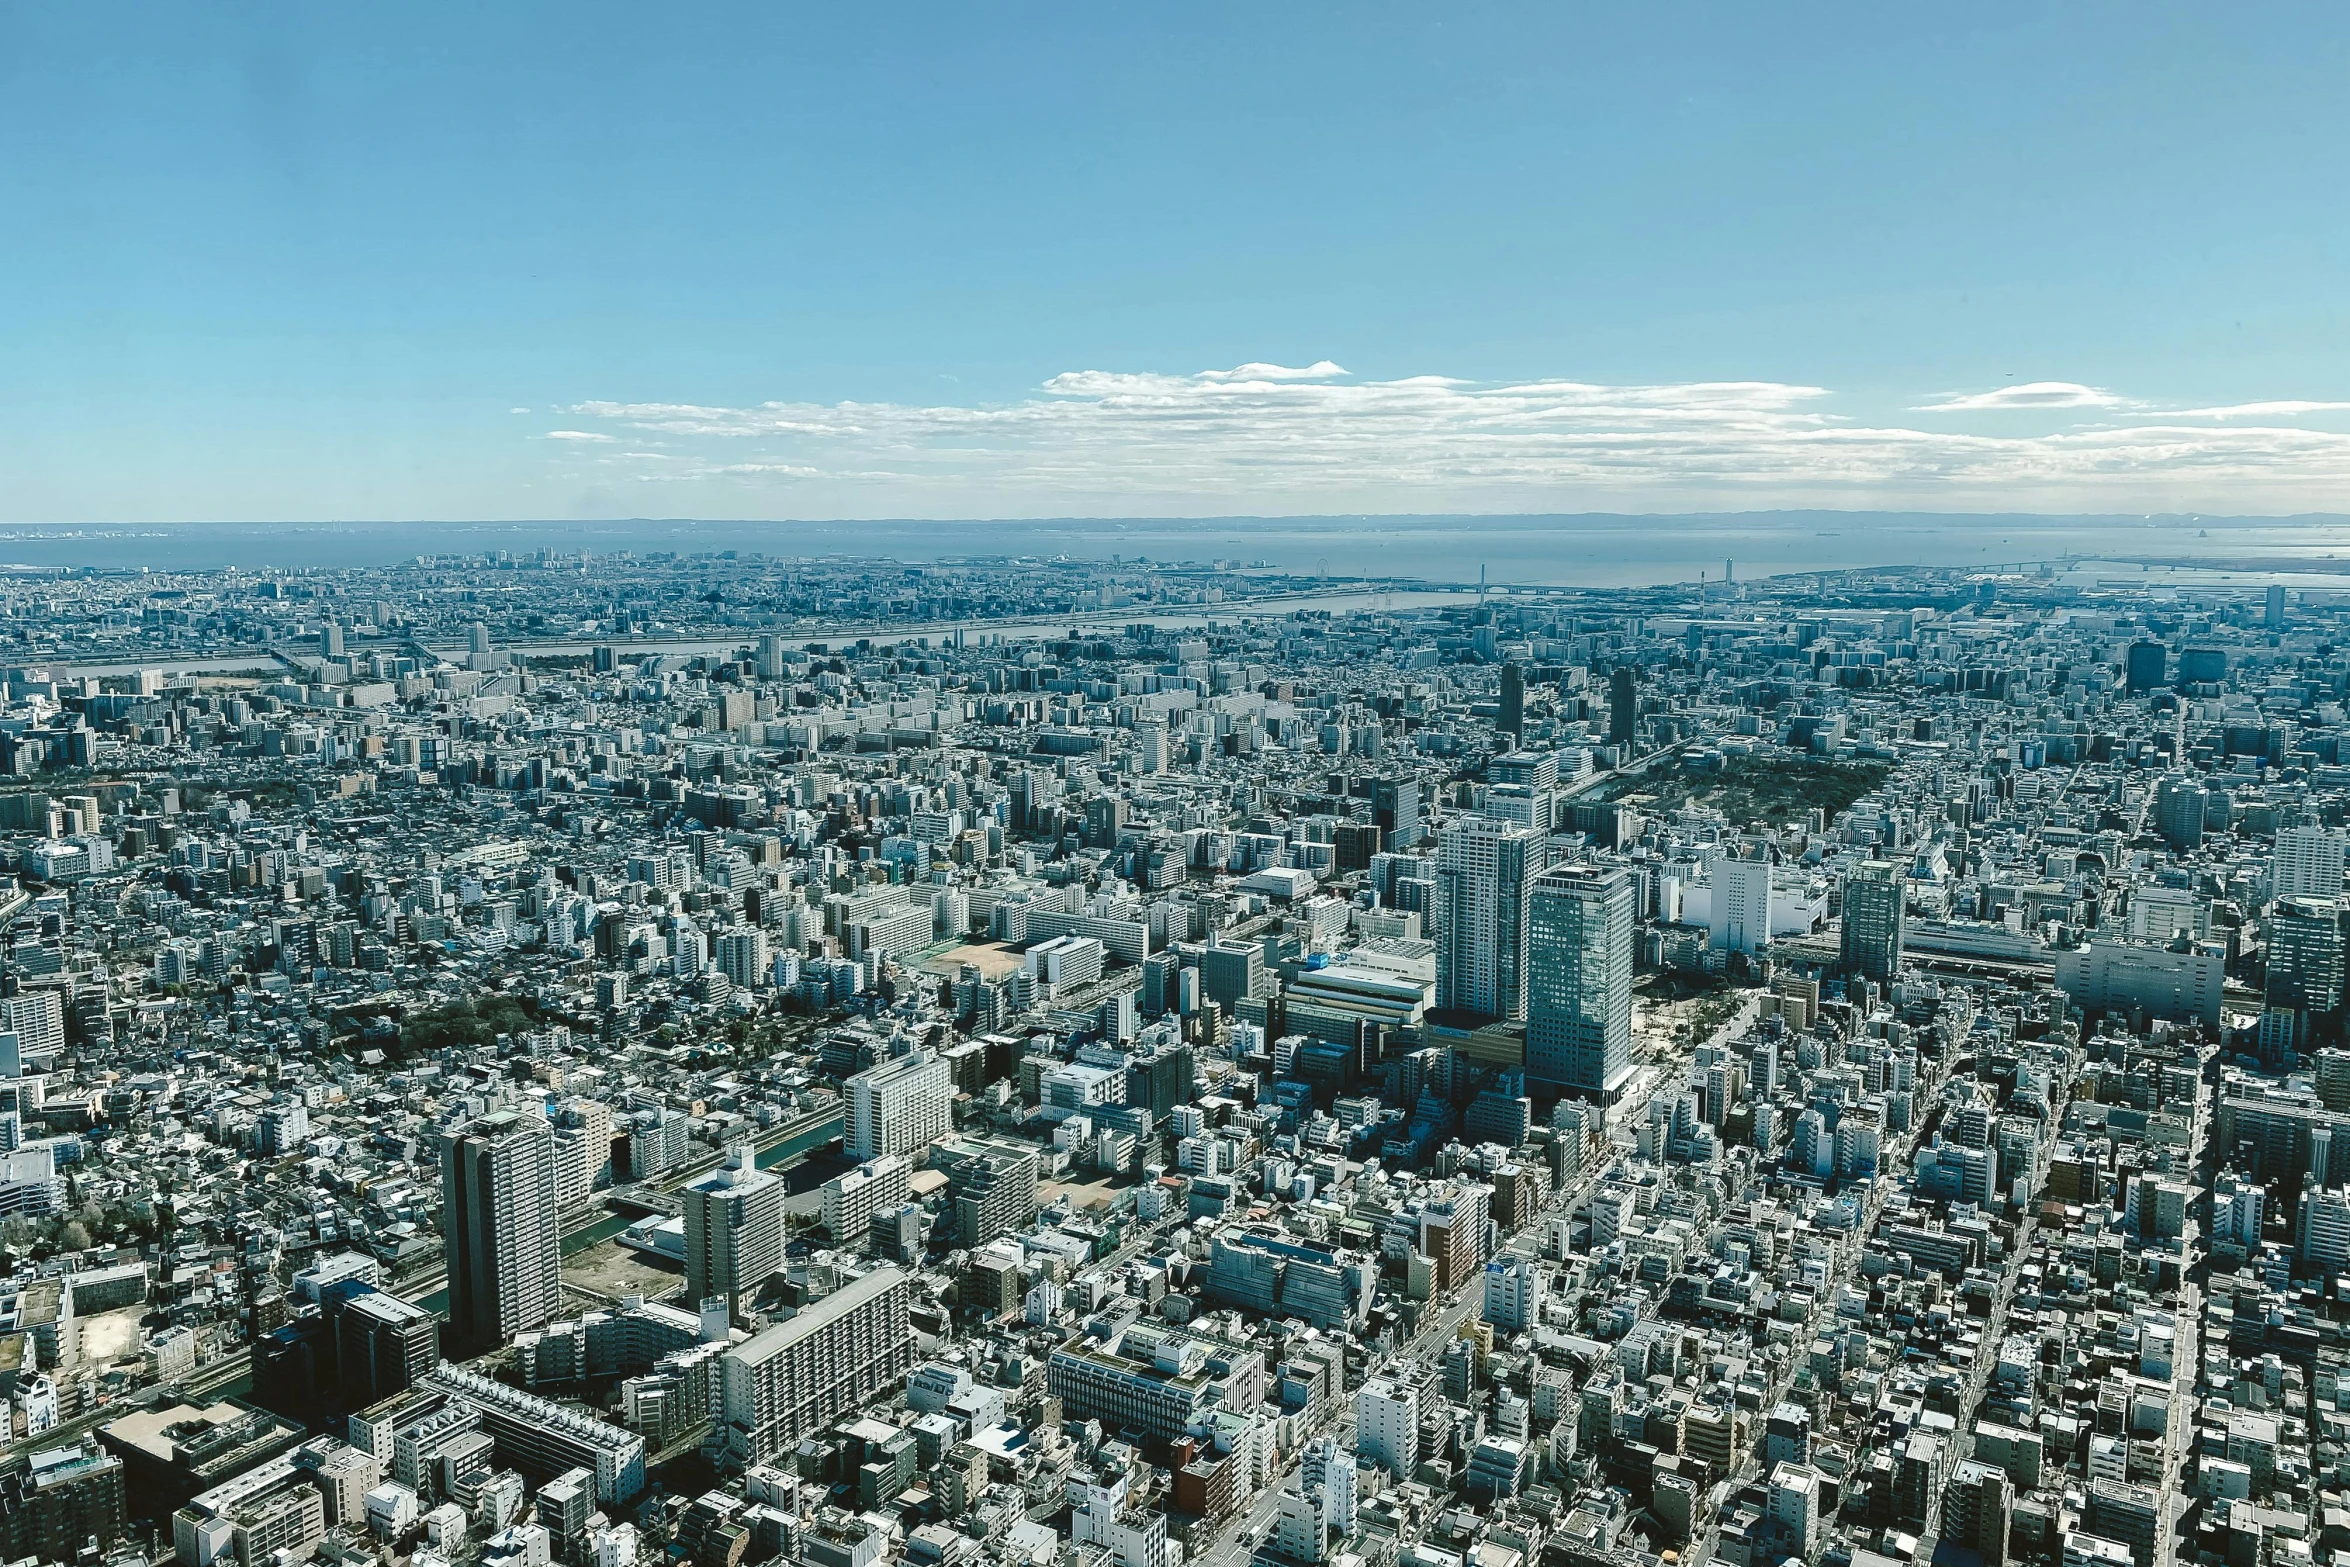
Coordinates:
1595	549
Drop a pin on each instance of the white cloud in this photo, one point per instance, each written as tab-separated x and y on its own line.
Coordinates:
2288	408
579	435
1265	438
2030	395
518	410
1319	370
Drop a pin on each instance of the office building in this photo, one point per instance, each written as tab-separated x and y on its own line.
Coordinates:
270	1513
2307	863
59	1497
1513	1294
1275	1275
383	1345
1231	972
2321	1233
743	958
1976	1508
1740	918
2131	1515
1623	707
733	1231
1873	920
1579	1013
1795	1507
1152	1382
498	1207
2179	808
2302	996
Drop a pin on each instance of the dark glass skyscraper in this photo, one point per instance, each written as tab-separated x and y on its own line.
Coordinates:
1579	994
1623	705
1872	920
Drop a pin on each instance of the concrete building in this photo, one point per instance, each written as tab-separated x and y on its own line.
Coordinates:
2308	862
1579	1018
498	1217
733	1231
900	1106
991	1186
1485	871
803	1373
1513	1294
1387	1425
852	1198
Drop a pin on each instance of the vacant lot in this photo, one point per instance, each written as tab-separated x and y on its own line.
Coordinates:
111	1335
613	1270
993	959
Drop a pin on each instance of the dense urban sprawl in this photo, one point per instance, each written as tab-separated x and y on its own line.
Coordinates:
727	1060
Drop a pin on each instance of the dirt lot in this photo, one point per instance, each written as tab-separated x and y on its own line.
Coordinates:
994	958
111	1335
1094	1192
612	1269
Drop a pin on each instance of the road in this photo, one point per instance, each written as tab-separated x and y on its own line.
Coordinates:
2186	1348
1238	1540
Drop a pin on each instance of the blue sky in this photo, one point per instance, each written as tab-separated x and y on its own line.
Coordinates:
306	262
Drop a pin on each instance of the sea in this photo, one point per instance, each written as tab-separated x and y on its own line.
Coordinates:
1593	549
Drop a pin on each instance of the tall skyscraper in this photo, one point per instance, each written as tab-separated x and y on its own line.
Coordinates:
733	1231
1623	705
1873	918
498	1207
2276	606
2144	667
2302	997
2308	863
1484	871
1579	1014
899	1106
2179	803
1395	808
1742	905
1513	699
